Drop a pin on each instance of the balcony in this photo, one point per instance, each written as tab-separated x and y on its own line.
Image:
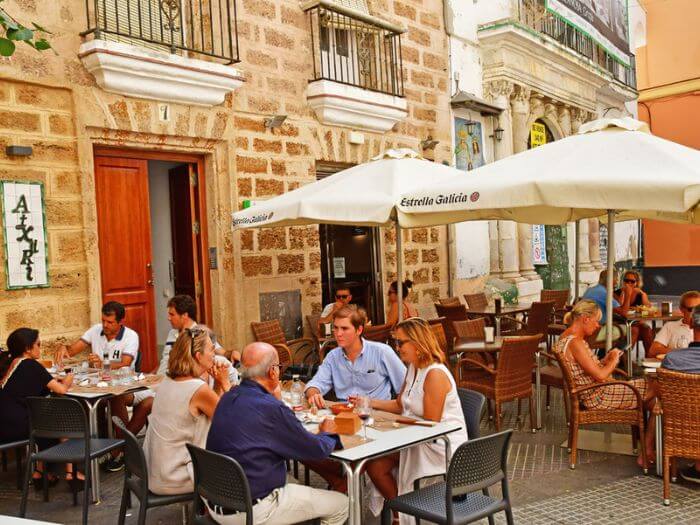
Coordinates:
533	15
357	67
170	50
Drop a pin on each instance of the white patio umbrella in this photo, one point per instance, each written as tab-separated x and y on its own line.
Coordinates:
364	195
612	168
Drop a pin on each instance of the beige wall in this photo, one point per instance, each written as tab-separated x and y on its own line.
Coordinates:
70	115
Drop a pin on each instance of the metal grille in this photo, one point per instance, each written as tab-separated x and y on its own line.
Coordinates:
355	52
203	28
534	15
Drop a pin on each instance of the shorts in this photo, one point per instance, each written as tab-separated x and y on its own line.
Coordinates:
140	395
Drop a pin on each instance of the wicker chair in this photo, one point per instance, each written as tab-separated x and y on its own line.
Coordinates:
380	333
476	301
451	313
579	415
538	318
436	325
559	297
289	351
680	400
510	380
449	301
470	328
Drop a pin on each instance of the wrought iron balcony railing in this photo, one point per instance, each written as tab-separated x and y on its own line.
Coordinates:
534	15
201	28
355	50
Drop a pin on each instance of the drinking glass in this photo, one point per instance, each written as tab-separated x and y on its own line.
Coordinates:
364	411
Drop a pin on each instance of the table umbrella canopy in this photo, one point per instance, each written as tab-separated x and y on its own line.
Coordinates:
611	164
364	195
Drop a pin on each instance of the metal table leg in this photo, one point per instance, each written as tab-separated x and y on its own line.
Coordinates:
538	383
94	465
659	444
628	350
497	322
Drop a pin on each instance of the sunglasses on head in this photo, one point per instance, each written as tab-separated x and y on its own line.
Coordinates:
630	281
342	296
193	333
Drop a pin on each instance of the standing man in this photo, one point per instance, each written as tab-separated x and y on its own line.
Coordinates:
342	298
252	426
677	334
121	346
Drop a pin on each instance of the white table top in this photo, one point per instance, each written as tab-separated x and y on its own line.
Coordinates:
13	520
384	442
96	395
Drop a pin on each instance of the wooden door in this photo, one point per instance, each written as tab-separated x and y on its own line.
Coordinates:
124	240
186	227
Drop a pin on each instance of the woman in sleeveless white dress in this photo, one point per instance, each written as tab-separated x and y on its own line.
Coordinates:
429	392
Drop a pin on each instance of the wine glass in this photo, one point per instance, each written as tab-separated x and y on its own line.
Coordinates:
364	411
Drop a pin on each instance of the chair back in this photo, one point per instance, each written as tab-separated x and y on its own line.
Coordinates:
680	398
312	322
567	375
57	417
134	458
380	333
475	465
221	481
268	332
449	301
470	328
436	325
476	301
515	363
541	314
472	406
559	297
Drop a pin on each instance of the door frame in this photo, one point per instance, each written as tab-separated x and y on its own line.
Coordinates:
198	160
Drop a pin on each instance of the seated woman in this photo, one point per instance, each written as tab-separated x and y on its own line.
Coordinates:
182	412
632	285
22	376
429	392
587	369
409	310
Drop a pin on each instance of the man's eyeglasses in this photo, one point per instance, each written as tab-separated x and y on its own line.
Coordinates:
342	296
630	281
277	366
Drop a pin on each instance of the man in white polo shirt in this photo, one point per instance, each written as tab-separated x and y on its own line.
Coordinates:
111	340
677	334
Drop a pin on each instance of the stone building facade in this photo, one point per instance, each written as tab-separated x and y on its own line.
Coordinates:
98	94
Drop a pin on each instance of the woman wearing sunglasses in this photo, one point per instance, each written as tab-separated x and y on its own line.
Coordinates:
428	392
632	286
182	410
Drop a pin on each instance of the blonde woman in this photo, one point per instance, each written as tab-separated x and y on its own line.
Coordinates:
182	411
587	369
632	286
428	392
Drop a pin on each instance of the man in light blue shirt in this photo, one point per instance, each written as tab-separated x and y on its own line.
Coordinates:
357	366
598	293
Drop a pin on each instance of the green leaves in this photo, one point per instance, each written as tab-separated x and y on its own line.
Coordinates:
16	32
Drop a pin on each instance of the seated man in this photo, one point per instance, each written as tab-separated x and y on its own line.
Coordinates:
688	361
677	334
357	367
253	426
112	340
598	293
342	298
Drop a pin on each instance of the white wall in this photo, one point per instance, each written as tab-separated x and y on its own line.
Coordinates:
490	11
161	241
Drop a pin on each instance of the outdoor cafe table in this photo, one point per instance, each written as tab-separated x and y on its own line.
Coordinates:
93	396
381	443
506	310
630	319
471	344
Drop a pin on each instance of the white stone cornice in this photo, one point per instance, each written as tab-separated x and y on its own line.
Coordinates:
146	73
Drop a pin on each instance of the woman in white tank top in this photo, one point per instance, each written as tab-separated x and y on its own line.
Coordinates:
429	392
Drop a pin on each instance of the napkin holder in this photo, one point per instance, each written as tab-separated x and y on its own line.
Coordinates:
348	423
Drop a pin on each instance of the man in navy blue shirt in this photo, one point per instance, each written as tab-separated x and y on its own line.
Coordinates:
253	426
688	360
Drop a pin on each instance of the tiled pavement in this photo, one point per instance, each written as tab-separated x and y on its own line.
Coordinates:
603	489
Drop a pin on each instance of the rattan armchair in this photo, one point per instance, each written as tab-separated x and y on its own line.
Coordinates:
295	351
680	401
380	333
476	301
580	415
510	380
449	301
538	318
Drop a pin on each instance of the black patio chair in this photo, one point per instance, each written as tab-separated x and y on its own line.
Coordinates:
221	480
476	465
472	407
136	480
19	447
58	418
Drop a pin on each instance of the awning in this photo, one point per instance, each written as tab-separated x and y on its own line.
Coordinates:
468	101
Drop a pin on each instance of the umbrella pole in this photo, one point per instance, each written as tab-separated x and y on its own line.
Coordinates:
399	272
576	261
609	283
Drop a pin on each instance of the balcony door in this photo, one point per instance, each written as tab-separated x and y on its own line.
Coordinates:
151	224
